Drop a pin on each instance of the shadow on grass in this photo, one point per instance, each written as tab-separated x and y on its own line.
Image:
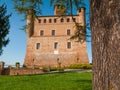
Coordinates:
84	84
83	81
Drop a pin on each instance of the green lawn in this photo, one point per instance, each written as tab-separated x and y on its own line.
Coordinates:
58	81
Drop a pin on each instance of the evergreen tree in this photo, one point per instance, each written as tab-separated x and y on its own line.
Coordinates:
23	6
4	27
30	9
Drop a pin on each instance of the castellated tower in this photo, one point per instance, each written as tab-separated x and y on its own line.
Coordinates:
48	40
30	23
59	10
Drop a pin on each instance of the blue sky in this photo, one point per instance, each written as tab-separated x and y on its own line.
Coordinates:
16	49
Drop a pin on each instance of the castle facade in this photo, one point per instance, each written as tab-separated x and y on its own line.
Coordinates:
48	41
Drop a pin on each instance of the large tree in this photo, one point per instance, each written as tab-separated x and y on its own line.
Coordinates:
4	27
105	26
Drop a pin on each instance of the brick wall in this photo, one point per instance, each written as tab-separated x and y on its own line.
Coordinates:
14	71
25	71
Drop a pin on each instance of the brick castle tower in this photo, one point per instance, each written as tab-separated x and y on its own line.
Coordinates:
48	40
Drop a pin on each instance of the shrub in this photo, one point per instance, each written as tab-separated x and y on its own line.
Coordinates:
17	63
53	69
80	66
90	63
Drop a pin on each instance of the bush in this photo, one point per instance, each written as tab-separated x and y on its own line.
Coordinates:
80	66
53	69
90	63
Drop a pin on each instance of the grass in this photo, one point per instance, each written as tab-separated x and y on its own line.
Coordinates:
57	81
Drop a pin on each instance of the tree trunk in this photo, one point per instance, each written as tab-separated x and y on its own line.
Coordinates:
105	25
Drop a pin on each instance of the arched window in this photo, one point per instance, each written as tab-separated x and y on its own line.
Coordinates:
39	20
68	19
44	21
50	20
55	20
62	20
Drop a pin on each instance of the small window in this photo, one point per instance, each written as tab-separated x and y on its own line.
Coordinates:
62	20
41	32
55	45
68	32
50	20
68	45
44	20
68	20
55	20
53	32
74	19
37	45
39	21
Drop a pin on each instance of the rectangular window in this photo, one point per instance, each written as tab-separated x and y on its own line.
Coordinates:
41	32
55	45
68	45
62	20
68	32
53	32
37	45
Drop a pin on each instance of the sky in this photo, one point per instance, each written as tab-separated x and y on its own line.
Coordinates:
16	49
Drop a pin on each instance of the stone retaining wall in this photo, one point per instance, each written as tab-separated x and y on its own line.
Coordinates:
14	71
25	71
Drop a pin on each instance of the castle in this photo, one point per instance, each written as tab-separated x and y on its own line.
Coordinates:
48	40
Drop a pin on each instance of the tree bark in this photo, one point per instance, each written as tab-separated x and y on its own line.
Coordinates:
105	27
